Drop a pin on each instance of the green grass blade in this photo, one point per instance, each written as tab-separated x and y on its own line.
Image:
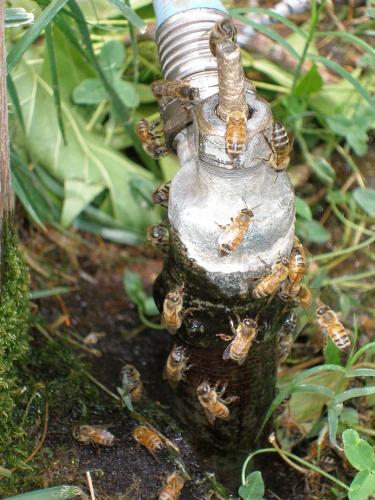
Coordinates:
17	16
271	33
359	353
361	372
135	54
350	37
273	15
15	100
332	65
50	292
128	13
315	389
25	200
33	32
354	393
54	78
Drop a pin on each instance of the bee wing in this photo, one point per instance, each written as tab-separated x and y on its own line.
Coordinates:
228	235
226	353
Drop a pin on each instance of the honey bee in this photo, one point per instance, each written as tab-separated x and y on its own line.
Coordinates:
297	263
173	487
158	235
233	233
149	438
244	336
272	281
174	88
299	292
285	340
304	297
332	326
212	401
176	365
152	143
236	134
97	434
280	147
152	440
133	381
222	31
172	310
161	194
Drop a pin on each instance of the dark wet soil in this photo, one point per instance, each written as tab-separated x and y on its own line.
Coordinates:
125	470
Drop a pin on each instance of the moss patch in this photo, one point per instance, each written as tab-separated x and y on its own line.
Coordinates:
14	321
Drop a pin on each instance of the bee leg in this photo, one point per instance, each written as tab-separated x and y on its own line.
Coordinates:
155	124
221	226
224	337
222	390
209	416
230	399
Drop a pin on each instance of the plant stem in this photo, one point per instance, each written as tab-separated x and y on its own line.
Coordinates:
297	459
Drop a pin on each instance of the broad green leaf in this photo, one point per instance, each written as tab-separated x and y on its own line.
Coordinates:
322	169
149	307
354	131
127	93
312	230
112	58
309	83
349	416
362	486
55	493
78	194
85	158
33	32
358	451
90	91
122	236
365	197
302	208
370	11
128	13
253	489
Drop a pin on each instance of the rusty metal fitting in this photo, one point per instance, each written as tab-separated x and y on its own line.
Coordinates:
231	80
210	131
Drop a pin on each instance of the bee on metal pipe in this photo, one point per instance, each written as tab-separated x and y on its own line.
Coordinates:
161	194
222	31
243	337
272	281
285	336
172	487
233	233
212	401
172	310
176	365
179	89
280	147
158	236
94	434
332	326
297	263
133	381
152	143
236	133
